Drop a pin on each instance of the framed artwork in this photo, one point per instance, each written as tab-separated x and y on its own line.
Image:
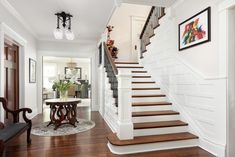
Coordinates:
195	30
73	72
32	71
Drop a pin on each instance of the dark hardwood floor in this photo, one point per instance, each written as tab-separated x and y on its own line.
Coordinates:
92	143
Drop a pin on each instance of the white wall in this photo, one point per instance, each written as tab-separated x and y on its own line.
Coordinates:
191	78
121	20
206	60
29	51
61	65
73	50
231	83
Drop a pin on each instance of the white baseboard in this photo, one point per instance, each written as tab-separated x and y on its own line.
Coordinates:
214	148
109	123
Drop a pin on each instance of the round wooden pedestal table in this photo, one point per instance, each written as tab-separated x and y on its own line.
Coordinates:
63	111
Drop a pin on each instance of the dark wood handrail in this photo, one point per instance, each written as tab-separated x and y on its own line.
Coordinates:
106	50
146	22
150	25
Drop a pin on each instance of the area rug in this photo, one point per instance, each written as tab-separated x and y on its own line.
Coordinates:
42	129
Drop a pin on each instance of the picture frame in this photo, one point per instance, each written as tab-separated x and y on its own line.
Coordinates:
76	71
195	31
32	70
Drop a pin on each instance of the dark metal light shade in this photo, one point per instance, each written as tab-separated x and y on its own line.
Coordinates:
65	19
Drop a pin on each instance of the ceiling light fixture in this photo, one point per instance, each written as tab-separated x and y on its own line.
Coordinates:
64	21
71	65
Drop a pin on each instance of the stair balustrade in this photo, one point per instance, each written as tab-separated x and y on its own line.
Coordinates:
112	71
151	23
121	86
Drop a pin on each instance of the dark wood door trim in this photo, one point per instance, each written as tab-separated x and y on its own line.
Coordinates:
11	68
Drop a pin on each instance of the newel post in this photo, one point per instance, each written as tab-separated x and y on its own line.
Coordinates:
125	129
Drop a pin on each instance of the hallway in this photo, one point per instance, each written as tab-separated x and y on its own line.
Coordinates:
92	143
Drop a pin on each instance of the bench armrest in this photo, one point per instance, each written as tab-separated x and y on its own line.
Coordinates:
16	112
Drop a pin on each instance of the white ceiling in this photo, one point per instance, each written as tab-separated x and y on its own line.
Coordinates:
162	3
88	23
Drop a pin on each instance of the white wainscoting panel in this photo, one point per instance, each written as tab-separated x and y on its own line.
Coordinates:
201	101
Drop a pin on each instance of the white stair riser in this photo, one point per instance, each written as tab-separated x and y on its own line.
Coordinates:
139	74
146	92
151	108
128	65
144	85
160	131
141	79
133	69
149	99
155	118
130	149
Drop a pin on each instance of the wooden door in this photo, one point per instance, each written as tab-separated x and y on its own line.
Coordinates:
11	66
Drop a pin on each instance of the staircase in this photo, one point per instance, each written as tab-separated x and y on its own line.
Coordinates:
156	125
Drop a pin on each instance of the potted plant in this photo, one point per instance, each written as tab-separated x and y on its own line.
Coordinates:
62	86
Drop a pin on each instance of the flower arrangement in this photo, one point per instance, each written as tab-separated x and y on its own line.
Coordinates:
62	86
110	43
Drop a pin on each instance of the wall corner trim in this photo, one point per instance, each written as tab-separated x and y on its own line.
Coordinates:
13	11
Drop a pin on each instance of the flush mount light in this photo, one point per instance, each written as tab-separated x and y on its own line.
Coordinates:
63	26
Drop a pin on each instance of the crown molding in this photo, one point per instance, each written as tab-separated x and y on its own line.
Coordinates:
13	11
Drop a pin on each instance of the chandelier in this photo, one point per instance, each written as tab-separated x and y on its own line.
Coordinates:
71	65
63	26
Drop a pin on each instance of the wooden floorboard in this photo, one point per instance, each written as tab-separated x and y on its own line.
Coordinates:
92	143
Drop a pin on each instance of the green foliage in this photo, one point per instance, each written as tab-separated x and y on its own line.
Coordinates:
62	85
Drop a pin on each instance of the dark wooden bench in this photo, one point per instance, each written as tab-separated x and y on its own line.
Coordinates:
11	131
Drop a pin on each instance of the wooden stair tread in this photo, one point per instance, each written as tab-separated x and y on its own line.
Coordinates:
141	76
126	63
151	35
151	103
130	67
154	113
146	96
145	88
148	43
139	71
139	82
113	139
156	26
144	51
161	124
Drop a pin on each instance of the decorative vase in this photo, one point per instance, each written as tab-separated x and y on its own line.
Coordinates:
64	95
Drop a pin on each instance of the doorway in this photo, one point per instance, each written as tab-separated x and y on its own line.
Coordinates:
137	24
11	76
56	69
